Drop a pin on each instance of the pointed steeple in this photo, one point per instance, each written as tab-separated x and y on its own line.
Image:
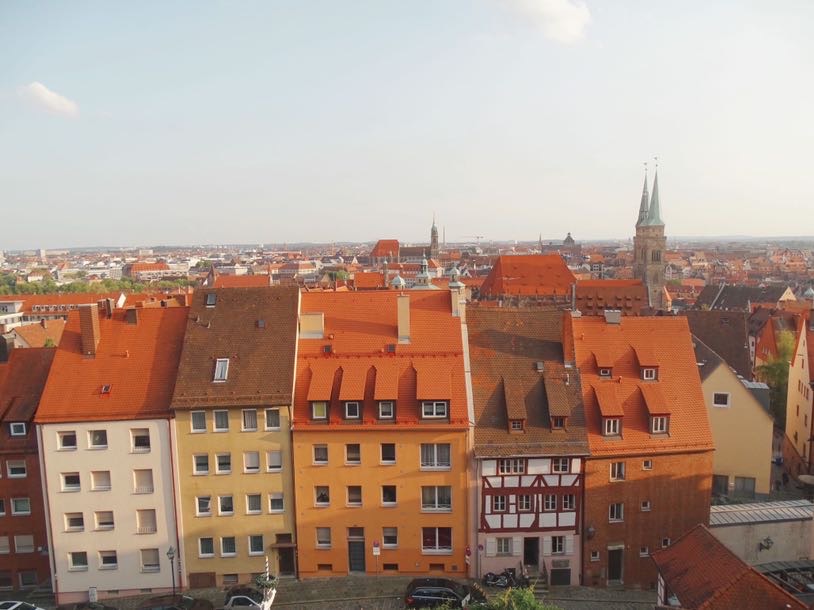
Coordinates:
645	197
654	213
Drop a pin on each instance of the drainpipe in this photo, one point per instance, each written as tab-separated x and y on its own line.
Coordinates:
176	504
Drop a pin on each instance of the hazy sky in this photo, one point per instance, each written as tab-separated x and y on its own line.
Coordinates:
127	123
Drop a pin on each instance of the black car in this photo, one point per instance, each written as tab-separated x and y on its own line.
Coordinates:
431	592
86	606
175	602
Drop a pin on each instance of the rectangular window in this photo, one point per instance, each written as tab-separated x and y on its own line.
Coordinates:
605	372
203	506
720	484
145	521
143	481
352	410
517	425
100	480
226	505
511	466
436	498
617	471
70	481
645	506
720	399
20	506
16	469
649	374
2	507
253	504
550	502
390	537
665	542
569	502
274	460
647	464
559	464
66	441
504	546
97	439
436	539
498	504
140	440
77	561
558	422
17	428
353	454
644	551
256	546
74	522
211	299
24	543
149	560
435	456
104	519
223	463
611	426
320	454
276	504
354	495
5	547
221	370
658	424
319	410
388	455
387	409
206	547
594	555
251	461
249	420
197	421
388	495
221	421
558	545
323	537
616	512
272	419
434	409
524	502
745	487
322	495
200	464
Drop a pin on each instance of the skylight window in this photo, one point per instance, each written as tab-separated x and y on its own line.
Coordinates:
221	370
211	299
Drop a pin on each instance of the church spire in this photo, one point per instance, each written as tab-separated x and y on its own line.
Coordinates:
643	206
654	213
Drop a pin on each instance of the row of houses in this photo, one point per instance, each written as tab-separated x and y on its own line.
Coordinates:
378	432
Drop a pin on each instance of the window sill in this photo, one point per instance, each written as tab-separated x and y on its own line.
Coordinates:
435	510
78	569
435	468
204	515
387	463
436	551
150	569
274	470
99	448
116	567
200	474
277	429
322	505
389	504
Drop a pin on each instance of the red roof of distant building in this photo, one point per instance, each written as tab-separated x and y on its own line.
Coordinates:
528	275
140	267
594	296
241	281
385	248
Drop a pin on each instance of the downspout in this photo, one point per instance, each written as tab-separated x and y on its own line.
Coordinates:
290	408
49	538
171	427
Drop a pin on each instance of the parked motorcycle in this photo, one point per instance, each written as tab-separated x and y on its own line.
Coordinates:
505	579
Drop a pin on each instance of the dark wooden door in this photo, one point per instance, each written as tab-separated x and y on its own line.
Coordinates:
356	556
286	561
615	564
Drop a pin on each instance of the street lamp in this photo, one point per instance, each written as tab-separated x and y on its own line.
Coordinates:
171	557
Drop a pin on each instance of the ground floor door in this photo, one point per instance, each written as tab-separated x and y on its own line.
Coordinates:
286	561
615	557
356	556
531	551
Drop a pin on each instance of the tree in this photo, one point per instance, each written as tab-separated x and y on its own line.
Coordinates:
775	374
516	599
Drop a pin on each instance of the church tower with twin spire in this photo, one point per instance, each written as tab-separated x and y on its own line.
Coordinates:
650	244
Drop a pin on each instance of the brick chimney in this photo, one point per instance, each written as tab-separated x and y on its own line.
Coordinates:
403	318
89	328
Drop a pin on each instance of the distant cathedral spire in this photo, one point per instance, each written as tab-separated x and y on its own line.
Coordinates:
654	213
645	197
433	239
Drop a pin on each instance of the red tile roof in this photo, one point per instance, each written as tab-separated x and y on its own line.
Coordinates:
705	575
138	361
36	335
385	248
528	275
592	297
669	342
22	380
241	281
142	266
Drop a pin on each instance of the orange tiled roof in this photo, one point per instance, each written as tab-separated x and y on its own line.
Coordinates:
386	247
361	330
367	281
669	340
241	281
528	275
138	361
36	335
139	267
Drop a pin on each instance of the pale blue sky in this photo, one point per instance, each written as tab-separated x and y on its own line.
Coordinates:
129	123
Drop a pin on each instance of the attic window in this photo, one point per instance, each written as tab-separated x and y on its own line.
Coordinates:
211	299
606	373
516	425
106	388
352	410
221	370
659	424
261	324
558	422
17	428
649	374
611	426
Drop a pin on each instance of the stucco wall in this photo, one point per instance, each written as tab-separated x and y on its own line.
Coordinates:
791	540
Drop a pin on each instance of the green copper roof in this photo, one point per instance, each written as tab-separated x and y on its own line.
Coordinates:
643	206
654	213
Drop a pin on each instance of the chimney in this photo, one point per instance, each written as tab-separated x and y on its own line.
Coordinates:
131	315
43	323
403	301
89	328
312	325
613	316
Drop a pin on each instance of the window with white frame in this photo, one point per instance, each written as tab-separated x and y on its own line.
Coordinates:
645	505
143	481
223	463
387	409
665	542
149	560
558	422
221	421
18	428
206	547
353	453
100	480
611	426
253	504
70	481
436	539
249	420
319	410
251	461
197	421
616	512
203	506
560	464
504	546
77	561
226	505
274	460
323	537
617	471
647	464
388	453
256	546
140	440
434	409
605	372
649	374
435	456
66	441
2	507
569	502
273	419
322	495
16	469
644	551
352	410
558	545
211	299
24	543
390	537
388	495
550	502
97	439
720	399
354	495
516	425
200	463
320	454
5	548
74	522
436	498
221	370
104	519
594	555
498	504
658	424
146	522
276	504
524	502
511	466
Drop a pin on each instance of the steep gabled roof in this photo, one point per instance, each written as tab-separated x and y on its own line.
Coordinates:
241	281
256	329
386	248
727	333
528	275
37	335
137	361
595	296
22	381
738	298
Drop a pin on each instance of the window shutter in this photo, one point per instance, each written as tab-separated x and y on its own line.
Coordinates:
491	547
517	546
569	545
546	545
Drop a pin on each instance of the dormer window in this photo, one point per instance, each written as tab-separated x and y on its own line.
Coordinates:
649	374
221	370
387	409
557	422
211	299
319	410
605	373
516	425
18	428
612	426
659	424
434	409
352	410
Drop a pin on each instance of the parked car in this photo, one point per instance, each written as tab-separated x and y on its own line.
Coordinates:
14	605
432	592
175	602
243	596
86	606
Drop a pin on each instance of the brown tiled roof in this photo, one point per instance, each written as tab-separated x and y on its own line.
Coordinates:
727	334
592	297
256	328
505	346
22	380
138	361
705	575
528	275
241	281
738	298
